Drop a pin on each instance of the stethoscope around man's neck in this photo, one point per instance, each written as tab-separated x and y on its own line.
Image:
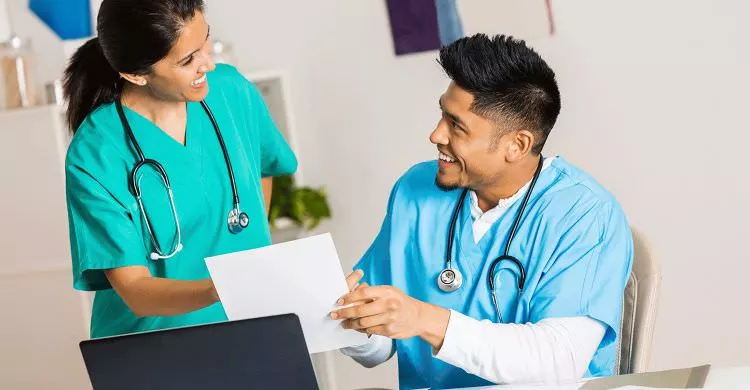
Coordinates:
450	279
236	221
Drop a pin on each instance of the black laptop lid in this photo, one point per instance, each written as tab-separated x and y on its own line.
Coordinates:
261	353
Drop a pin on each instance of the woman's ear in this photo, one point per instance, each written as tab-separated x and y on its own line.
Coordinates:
135	79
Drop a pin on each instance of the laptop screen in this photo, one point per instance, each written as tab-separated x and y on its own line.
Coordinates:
261	353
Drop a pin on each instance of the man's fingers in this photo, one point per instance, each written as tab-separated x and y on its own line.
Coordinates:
364	293
353	279
361	285
378	329
366	322
359	311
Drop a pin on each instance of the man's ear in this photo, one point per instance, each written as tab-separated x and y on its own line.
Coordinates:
521	145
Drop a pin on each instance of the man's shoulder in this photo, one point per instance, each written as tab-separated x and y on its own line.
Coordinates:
576	177
420	175
576	192
418	182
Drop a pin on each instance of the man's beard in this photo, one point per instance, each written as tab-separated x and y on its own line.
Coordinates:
446	186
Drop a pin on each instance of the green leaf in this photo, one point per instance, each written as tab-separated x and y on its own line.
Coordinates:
306	206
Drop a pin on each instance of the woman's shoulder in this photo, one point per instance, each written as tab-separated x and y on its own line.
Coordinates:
225	73
225	76
98	141
228	81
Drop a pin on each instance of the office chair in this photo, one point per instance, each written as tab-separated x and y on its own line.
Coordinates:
640	303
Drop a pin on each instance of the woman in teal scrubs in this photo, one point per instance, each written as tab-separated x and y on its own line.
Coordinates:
153	57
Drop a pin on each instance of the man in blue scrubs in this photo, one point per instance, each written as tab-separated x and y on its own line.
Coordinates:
556	310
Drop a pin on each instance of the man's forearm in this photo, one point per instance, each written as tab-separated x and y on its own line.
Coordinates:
149	296
553	351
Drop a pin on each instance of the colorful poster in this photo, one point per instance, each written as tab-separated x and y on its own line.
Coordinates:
550	17
423	25
69	19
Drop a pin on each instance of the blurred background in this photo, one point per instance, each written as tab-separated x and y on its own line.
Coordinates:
655	97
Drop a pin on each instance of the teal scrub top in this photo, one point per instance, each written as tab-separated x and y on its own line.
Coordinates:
573	241
106	227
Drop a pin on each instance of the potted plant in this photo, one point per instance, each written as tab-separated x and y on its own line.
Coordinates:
295	210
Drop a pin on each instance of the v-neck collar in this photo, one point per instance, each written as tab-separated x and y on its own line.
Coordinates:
489	218
472	252
468	253
148	132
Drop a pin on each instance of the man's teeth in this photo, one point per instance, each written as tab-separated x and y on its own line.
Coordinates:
199	81
445	158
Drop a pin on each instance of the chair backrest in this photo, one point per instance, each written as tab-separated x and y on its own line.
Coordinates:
640	303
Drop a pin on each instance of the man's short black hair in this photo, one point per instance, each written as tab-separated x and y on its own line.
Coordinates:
509	82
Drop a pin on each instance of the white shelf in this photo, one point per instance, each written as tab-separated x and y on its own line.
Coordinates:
34	226
274	88
46	316
286	230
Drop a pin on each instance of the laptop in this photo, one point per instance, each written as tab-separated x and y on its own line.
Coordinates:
259	353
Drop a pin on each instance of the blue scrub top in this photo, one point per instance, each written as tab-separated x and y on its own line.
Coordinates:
573	240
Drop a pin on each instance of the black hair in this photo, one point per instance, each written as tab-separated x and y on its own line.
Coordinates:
508	80
132	36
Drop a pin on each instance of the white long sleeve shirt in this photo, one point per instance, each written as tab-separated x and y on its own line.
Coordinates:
551	351
555	350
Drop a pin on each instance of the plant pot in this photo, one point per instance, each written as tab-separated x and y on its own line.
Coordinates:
285	230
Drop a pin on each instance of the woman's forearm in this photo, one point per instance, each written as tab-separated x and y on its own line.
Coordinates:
149	296
167	297
267	184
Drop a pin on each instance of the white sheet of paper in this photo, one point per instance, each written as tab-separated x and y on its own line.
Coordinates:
302	277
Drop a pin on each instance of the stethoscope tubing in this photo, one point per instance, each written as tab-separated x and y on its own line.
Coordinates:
505	256
143	161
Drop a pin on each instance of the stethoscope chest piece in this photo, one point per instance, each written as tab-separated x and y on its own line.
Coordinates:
237	221
450	280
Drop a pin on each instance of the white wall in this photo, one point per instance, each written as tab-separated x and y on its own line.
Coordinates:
654	97
655	107
4	21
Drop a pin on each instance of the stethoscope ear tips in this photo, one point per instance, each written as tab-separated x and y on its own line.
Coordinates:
155	256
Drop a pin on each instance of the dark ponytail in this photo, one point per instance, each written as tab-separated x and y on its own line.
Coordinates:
89	82
133	35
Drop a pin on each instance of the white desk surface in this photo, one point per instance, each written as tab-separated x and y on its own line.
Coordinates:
718	378
728	378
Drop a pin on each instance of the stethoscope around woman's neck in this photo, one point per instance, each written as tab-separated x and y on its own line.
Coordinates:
450	279
236	221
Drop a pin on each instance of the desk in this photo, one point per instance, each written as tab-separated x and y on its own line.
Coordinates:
728	378
718	378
